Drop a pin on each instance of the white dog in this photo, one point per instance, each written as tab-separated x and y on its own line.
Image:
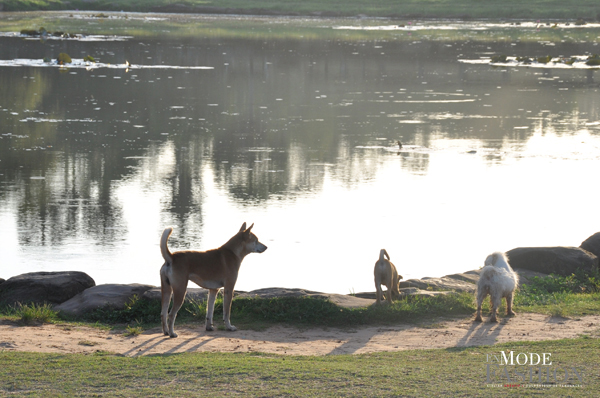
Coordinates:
498	280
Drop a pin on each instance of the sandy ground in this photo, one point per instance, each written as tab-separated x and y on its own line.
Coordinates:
292	341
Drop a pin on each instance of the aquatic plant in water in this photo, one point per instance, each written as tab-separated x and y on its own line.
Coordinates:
64	58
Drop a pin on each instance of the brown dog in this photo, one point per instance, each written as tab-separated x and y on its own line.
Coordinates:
212	270
386	274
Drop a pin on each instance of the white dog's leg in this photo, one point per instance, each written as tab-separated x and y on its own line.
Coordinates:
210	308
227	298
509	303
478	315
496	300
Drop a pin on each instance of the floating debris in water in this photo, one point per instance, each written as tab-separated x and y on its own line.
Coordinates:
82	63
42	34
547	61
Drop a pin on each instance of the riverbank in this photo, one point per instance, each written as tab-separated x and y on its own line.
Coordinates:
462	9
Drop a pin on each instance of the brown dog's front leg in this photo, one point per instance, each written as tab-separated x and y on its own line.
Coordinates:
227	298
210	309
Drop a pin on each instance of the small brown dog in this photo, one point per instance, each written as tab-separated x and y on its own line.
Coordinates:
497	279
212	270
386	274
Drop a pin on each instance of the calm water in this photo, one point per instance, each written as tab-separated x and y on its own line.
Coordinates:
292	125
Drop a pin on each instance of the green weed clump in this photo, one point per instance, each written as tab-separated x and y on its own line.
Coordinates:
29	314
579	282
556	295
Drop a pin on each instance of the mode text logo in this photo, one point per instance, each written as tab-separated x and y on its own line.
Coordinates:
529	369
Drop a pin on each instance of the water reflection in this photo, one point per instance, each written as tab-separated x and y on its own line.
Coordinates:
99	161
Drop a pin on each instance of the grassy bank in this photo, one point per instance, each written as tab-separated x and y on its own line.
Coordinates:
533	9
457	372
449	372
570	296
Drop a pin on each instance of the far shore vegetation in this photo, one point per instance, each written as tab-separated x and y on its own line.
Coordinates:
464	9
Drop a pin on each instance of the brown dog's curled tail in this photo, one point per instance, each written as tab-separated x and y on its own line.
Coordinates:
164	249
383	253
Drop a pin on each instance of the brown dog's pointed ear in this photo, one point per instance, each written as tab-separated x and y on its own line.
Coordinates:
243	227
248	230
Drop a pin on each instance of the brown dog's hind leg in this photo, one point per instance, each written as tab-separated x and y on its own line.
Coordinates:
166	291
178	297
164	313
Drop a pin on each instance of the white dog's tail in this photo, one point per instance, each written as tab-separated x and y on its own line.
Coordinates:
164	249
383	253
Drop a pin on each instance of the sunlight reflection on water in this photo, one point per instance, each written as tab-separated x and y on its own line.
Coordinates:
300	138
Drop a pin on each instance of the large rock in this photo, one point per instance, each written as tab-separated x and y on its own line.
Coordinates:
193	293
592	244
110	295
525	275
558	260
44	287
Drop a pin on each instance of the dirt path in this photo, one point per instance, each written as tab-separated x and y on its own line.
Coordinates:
292	341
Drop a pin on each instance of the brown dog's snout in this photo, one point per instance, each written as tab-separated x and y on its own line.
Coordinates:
261	248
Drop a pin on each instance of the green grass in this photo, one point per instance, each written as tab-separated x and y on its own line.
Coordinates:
536	9
441	372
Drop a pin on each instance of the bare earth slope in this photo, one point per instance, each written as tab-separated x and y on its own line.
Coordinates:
292	341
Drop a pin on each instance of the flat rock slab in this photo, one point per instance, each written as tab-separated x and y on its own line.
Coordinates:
44	287
406	292
559	260
341	300
439	284
469	276
102	296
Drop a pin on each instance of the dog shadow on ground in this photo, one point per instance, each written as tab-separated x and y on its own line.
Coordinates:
149	345
282	340
482	333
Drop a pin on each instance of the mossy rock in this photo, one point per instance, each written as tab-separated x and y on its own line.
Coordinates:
544	60
499	58
64	58
30	32
89	58
593	60
524	60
